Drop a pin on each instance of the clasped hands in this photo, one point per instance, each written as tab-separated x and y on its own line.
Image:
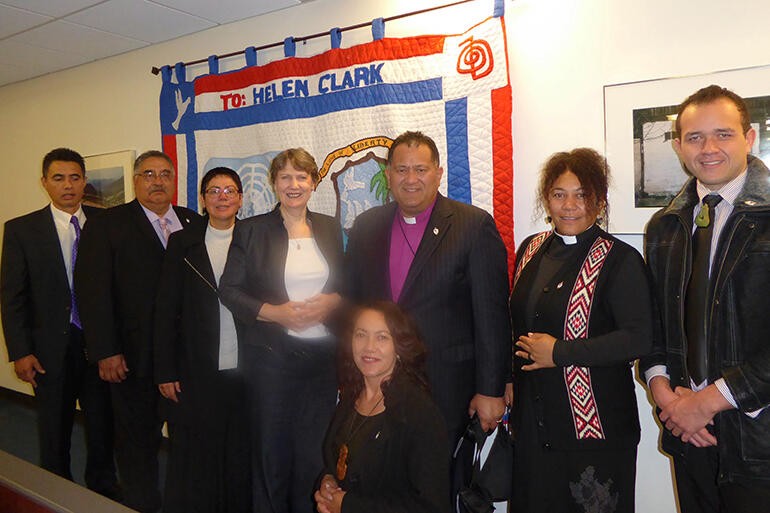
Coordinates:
686	413
329	495
299	315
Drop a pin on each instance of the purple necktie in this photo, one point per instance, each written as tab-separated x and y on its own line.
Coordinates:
75	316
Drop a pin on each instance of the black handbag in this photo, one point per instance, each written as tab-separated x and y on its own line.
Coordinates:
477	487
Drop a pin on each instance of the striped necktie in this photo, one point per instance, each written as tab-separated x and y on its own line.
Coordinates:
165	229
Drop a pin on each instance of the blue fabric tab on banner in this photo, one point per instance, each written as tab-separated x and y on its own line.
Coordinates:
458	164
213	65
336	37
499	9
251	56
165	73
177	107
289	47
378	28
192	173
180	72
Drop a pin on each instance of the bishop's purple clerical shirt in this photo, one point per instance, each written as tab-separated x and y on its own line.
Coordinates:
405	237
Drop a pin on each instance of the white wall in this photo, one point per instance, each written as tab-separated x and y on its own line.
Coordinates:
561	54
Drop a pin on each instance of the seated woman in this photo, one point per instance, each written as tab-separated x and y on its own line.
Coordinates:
281	282
386	446
196	362
581	314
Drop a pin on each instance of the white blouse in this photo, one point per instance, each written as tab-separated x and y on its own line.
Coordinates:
305	276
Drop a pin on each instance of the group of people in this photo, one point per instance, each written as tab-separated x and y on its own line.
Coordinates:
295	374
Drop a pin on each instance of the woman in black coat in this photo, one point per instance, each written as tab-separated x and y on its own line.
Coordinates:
386	446
281	283
581	314
196	362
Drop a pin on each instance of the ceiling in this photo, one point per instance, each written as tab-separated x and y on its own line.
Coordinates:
43	36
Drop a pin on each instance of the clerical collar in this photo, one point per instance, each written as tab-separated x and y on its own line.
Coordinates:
422	217
569	240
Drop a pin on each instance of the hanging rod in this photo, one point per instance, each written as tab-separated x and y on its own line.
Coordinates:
156	69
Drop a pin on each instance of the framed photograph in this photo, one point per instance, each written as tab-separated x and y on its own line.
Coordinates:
109	179
639	131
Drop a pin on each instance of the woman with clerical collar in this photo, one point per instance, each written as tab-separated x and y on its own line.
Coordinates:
581	313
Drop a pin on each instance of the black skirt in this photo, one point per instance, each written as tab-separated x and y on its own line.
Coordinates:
209	461
569	481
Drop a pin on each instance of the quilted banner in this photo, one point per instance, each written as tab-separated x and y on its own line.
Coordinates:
345	107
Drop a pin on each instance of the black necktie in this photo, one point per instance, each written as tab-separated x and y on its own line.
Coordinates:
697	304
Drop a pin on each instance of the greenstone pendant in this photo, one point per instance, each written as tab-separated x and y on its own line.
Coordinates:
703	219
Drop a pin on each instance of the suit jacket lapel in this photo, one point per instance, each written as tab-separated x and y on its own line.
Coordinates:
184	219
145	226
276	253
438	225
381	242
196	253
51	244
322	237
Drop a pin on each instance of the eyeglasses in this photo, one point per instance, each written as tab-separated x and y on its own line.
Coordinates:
230	192
150	175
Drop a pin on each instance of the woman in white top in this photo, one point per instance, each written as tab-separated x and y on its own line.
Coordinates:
281	282
196	362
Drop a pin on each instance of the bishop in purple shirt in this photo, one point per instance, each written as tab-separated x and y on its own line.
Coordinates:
445	264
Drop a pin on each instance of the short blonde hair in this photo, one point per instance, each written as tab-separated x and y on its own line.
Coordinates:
300	160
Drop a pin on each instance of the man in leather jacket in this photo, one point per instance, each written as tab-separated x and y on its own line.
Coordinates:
717	429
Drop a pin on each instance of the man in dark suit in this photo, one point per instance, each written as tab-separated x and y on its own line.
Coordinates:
445	263
116	277
42	328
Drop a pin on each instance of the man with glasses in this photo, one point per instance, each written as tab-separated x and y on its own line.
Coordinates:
116	279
